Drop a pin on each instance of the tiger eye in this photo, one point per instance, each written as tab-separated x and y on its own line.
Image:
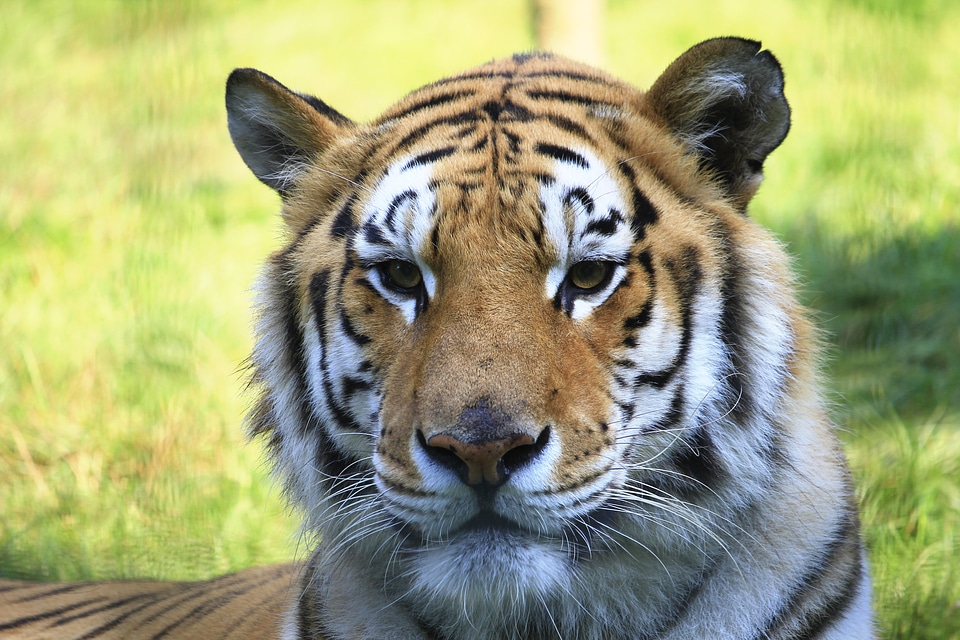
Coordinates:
589	274
403	274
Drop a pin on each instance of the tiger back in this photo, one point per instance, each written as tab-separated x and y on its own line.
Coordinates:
529	370
246	605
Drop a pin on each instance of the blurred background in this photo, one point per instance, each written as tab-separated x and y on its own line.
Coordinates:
130	233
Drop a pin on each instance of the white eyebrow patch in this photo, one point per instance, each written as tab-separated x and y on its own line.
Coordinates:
584	218
396	224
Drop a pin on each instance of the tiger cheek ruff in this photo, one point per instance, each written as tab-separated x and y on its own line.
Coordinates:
529	369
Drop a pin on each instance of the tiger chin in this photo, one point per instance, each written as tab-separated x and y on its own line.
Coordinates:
530	371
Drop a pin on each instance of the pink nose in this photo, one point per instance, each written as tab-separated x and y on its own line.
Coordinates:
484	460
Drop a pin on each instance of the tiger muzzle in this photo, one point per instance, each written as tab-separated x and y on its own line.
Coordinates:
485	445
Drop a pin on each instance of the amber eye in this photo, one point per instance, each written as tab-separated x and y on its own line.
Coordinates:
589	274
401	274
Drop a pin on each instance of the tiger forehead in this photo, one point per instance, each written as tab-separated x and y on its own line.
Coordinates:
544	204
505	108
493	148
516	88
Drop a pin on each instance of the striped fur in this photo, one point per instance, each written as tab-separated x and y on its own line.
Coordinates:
529	370
246	605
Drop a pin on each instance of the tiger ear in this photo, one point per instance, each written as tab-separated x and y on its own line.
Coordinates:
724	99
277	132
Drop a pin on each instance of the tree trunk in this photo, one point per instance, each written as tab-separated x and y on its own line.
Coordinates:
572	28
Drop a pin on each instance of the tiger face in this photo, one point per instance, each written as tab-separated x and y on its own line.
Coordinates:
525	364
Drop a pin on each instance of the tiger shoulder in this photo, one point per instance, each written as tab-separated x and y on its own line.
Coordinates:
529	371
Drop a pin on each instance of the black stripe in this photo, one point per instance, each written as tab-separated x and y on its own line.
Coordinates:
263	418
258	609
45	593
116	604
429	157
835	609
644	214
334	461
373	234
470	76
329	458
562	154
581	195
468	116
319	286
115	622
343	223
568	125
514	142
545	180
606	226
394	207
656	379
568	75
352	386
434	101
46	615
734	319
699	462
642	317
493	109
646	261
682	603
567	96
190	594
309	618
220	600
812	622
508	110
351	332
324	109
169	606
538	233
674	415
686	274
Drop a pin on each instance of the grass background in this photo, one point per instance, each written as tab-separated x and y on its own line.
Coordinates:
130	232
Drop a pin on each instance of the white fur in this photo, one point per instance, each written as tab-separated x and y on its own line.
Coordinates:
566	228
416	222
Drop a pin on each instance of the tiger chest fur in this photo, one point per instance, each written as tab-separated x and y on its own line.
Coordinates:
529	370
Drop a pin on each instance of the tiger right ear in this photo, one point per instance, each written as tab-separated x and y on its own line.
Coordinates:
724	99
277	132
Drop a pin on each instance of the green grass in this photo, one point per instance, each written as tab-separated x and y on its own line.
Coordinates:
130	232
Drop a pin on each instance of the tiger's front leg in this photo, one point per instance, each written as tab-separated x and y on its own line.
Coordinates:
343	599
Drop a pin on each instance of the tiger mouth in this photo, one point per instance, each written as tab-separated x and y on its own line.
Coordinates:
579	535
490	521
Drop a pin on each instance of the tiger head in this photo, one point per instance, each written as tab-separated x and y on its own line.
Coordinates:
515	331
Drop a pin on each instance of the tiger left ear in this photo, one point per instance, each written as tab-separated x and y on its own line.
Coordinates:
724	99
278	132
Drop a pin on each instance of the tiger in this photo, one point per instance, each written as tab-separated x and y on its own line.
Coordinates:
530	371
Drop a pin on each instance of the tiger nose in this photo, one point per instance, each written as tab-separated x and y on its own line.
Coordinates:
480	462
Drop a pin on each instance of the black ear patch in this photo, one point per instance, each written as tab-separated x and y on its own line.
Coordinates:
276	131
724	99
